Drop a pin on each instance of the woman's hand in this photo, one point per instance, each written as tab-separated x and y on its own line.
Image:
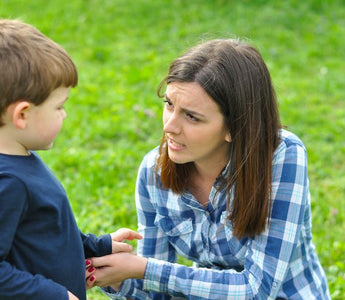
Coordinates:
111	270
118	246
89	277
119	236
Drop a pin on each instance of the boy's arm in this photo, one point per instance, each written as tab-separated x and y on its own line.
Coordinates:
109	243
21	285
14	283
96	246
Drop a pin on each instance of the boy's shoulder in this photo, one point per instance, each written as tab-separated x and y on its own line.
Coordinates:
20	165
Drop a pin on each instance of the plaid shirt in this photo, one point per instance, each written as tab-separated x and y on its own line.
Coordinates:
280	262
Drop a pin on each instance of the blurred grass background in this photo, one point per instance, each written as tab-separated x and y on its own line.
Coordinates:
122	50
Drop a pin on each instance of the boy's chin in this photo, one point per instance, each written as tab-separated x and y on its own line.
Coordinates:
42	148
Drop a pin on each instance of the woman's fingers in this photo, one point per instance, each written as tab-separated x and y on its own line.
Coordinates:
103	276
90	282
89	277
102	261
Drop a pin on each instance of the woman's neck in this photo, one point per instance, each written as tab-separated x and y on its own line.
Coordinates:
201	182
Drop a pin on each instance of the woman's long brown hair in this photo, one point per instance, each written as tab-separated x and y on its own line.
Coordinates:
235	76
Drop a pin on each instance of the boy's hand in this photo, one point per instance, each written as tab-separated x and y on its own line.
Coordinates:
119	236
71	296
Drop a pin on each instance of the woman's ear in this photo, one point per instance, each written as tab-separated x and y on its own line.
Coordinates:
228	137
19	112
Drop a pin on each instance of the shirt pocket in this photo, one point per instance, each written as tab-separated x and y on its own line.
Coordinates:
178	232
174	226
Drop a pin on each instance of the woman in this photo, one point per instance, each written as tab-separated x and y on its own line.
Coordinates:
227	189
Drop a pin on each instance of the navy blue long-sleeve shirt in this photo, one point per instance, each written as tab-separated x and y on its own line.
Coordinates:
42	251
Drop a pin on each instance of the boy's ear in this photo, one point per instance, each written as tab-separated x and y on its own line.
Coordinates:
19	112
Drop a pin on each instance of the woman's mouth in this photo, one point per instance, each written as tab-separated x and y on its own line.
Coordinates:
173	145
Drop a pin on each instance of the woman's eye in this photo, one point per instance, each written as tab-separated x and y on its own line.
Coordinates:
168	103
192	118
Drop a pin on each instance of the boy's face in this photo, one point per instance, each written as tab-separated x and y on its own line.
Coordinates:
45	120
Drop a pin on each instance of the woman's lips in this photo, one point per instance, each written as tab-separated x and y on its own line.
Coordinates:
173	145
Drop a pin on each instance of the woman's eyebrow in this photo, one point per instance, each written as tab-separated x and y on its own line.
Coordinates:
186	110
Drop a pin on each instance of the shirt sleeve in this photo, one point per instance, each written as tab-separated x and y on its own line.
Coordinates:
96	246
268	255
14	283
154	242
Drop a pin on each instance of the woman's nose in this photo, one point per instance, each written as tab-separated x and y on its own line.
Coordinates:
171	123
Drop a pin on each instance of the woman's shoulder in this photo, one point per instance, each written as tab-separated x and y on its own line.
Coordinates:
290	146
150	158
287	139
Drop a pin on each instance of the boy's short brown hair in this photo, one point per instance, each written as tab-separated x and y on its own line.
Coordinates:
31	65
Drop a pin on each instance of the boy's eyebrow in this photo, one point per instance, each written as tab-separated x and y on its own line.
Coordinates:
62	101
192	112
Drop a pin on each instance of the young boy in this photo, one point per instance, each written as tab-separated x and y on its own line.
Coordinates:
42	251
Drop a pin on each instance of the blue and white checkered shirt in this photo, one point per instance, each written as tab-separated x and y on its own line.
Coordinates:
280	262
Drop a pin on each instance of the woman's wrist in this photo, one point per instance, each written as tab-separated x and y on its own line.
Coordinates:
138	267
116	286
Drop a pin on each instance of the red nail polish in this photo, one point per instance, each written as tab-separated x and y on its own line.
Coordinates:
87	262
92	278
91	269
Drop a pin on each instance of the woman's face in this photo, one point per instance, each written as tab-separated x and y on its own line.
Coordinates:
194	126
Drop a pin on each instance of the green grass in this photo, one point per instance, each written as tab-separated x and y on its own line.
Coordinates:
123	49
